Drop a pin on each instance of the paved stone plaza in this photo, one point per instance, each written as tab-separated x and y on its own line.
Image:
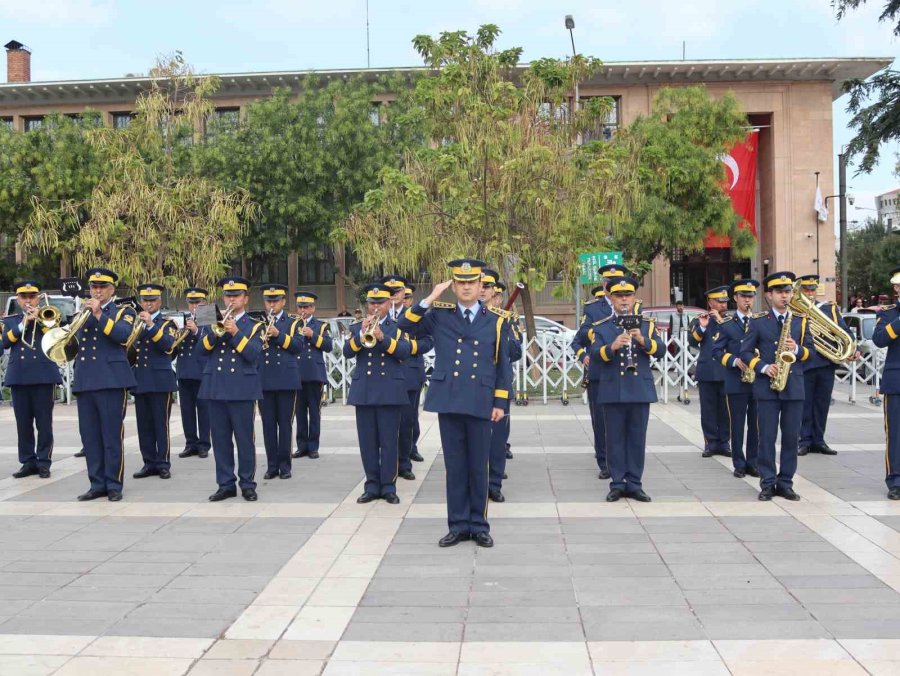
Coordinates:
703	580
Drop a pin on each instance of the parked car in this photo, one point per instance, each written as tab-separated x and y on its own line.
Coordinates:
543	325
664	315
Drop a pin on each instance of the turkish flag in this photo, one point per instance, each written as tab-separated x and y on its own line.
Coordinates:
740	184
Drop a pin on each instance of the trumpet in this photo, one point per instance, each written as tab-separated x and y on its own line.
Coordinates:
47	316
367	331
218	328
182	333
269	323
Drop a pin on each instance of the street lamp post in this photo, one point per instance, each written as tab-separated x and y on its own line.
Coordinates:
570	26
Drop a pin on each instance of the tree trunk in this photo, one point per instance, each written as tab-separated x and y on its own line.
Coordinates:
528	310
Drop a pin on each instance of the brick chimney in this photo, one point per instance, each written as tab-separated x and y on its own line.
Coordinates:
18	62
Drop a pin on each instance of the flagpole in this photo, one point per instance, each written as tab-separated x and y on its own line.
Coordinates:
817	229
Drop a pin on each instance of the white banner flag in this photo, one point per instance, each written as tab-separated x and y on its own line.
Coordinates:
820	207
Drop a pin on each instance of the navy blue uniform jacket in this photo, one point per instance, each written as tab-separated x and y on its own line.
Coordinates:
27	366
379	378
887	328
153	368
102	360
279	364
232	370
616	384
312	354
709	369
763	336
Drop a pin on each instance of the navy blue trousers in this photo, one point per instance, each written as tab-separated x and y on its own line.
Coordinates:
378	429
33	407
309	416
626	443
741	412
499	437
277	413
101	422
466	441
818	385
714	415
152	411
194	416
598	424
772	414
892	439
233	426
409	423
416	430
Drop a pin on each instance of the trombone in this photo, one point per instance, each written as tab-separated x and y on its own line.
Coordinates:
47	316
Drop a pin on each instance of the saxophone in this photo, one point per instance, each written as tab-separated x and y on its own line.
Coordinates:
749	376
783	357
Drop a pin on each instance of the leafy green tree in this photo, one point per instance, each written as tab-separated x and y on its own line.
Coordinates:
874	103
872	253
143	217
503	178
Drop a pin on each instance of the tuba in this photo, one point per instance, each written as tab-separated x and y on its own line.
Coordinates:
831	341
60	344
784	357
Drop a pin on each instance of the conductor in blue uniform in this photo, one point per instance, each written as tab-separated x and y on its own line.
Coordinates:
155	383
191	358
887	330
32	379
739	399
710	374
818	379
315	345
775	409
467	390
378	391
232	384
103	377
280	370
625	389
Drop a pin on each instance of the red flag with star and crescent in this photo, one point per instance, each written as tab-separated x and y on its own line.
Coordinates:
740	184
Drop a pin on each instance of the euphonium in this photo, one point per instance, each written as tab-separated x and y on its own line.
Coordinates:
367	332
784	357
831	341
60	344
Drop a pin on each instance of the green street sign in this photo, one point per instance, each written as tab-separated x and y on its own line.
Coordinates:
590	262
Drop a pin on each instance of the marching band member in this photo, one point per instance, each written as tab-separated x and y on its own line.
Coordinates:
466	391
189	373
378	391
492	296
418	362
887	329
155	384
102	380
32	379
710	374
232	385
397	286
777	408
818	379
625	388
316	342
596	309
281	381
739	400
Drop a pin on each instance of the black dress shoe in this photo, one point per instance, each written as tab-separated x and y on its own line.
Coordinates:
496	496
752	471
415	456
25	471
406	474
223	494
766	494
505	476
313	455
615	495
188	452
80	454
603	474
787	494
91	495
44	472
143	473
114	496
249	494
726	451
453	538
270	474
638	495
739	473
825	449
284	475
894	493
707	453
509	455
202	454
164	474
391	498
803	450
366	497
298	454
483	539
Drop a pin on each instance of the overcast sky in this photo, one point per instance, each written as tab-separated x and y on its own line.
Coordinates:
79	39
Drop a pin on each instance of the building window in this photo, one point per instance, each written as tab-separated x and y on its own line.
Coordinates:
6	122
375	114
222	119
604	129
121	120
32	123
315	264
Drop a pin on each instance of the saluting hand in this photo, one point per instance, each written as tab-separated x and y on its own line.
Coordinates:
438	290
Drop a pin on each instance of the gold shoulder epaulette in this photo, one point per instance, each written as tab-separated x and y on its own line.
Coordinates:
884	308
638	304
726	320
592	300
499	311
758	315
600	321
444	306
293	316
